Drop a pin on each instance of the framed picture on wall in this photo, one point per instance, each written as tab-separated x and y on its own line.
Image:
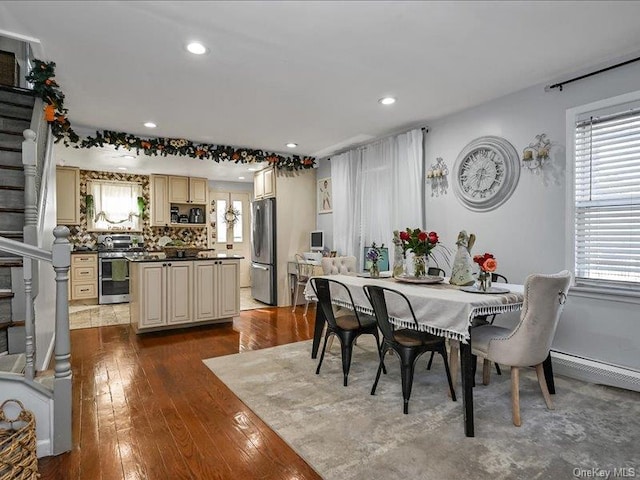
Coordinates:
325	199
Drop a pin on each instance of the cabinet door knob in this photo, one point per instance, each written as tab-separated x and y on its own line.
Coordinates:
169	264
164	264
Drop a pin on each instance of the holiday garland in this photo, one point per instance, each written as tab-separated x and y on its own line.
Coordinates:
42	77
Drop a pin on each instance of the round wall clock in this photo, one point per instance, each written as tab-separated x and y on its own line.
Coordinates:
486	173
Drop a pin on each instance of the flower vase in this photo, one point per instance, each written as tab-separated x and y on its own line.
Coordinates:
484	281
374	270
419	266
399	266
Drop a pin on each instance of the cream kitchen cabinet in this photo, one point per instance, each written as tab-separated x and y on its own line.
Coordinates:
84	276
163	293
160	212
171	294
187	190
264	184
216	289
68	195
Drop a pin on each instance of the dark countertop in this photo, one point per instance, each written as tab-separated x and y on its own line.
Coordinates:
155	258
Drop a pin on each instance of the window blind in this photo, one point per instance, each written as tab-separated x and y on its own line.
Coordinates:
607	198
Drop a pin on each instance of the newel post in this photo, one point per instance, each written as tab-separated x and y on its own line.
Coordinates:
29	163
61	259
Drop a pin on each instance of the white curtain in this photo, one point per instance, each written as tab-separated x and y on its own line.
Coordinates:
115	205
380	187
345	174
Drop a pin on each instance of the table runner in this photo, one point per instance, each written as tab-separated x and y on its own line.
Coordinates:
441	309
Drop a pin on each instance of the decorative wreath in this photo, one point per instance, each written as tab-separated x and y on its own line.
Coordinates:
231	216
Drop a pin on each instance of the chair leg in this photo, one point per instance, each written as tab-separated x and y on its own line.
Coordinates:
406	368
306	307
498	369
430	360
347	349
324	348
454	358
543	386
515	395
330	343
452	391
295	299
380	367
379	345
486	372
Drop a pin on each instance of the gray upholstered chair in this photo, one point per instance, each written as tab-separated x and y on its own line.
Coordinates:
339	265
529	343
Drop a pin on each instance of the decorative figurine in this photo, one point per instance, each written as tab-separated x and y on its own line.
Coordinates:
462	271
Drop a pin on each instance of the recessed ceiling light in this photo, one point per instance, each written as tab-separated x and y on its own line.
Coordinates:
128	157
240	178
197	48
387	101
122	168
150	125
292	145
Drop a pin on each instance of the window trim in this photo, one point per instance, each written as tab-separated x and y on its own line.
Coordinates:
592	288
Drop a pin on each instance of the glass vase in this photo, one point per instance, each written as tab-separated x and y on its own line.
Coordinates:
374	270
419	266
399	266
484	281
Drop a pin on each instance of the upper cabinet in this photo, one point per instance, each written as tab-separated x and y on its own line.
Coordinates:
264	184
178	194
187	190
68	195
160	213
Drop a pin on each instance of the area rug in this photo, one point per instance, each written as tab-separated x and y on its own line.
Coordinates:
345	433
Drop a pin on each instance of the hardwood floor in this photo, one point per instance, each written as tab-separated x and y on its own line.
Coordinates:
146	407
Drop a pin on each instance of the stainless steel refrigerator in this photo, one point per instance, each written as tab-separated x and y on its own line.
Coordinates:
263	251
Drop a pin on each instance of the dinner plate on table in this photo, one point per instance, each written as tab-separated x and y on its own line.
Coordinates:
492	290
428	279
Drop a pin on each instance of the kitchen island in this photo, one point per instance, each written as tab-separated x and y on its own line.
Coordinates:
181	292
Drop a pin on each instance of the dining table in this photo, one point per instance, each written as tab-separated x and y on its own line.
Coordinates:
441	309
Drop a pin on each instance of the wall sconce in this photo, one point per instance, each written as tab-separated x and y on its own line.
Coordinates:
437	176
537	153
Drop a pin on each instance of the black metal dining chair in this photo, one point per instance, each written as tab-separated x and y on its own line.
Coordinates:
436	272
347	326
408	343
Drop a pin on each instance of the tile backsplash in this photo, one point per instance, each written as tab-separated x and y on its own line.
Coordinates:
151	235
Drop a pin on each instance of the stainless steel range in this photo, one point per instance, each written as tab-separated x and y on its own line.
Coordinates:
113	271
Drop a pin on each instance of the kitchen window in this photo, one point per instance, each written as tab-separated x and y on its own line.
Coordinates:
606	197
114	206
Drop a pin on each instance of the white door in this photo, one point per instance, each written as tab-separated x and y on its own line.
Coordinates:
233	239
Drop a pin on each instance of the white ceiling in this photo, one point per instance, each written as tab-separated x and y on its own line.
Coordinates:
308	72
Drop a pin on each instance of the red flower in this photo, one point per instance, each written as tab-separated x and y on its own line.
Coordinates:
433	237
404	236
422	236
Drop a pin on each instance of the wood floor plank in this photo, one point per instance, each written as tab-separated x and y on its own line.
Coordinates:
146	407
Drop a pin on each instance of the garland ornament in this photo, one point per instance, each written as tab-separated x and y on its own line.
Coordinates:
42	77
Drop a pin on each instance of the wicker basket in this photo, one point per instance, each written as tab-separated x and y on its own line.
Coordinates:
18	458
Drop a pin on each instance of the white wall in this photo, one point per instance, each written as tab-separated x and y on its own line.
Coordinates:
231	187
528	233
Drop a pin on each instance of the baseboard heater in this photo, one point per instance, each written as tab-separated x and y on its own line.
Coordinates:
595	372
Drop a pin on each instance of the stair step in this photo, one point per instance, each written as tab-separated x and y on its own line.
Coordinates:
9	122
11	219
11	177
11	198
4	166
11	157
12	187
4	294
10	262
19	95
13	363
13	234
11	149
16	110
15	101
11	139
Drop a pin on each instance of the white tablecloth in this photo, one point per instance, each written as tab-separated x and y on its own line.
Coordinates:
441	309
